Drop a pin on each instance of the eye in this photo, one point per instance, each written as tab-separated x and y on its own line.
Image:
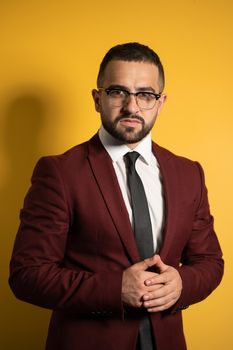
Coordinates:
146	96
116	93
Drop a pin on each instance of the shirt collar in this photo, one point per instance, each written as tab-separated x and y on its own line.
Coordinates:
117	150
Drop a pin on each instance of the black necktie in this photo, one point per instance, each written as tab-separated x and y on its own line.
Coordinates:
141	216
143	234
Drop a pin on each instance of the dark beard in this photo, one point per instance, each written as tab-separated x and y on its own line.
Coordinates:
128	136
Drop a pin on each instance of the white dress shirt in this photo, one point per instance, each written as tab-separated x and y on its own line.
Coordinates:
148	170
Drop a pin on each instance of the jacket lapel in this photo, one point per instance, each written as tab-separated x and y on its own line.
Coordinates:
101	165
169	182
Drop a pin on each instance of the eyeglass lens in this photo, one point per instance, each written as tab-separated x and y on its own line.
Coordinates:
144	100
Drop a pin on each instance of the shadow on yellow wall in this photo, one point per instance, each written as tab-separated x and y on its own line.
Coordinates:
26	115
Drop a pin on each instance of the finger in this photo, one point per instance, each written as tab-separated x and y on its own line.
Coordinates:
160	264
157	279
161	292
161	303
168	275
145	264
157	292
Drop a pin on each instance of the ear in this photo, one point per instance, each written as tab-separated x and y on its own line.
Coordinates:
161	102
96	98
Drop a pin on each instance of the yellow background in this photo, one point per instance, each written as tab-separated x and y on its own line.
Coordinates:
49	57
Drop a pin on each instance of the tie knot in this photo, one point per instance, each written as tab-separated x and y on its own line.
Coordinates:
132	157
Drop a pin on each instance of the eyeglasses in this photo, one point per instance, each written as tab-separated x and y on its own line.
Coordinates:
119	97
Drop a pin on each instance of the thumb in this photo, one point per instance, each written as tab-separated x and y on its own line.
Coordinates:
160	264
146	263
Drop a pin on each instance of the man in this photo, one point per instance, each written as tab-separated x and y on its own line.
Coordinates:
81	249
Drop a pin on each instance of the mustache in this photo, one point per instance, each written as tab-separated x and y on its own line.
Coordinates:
129	116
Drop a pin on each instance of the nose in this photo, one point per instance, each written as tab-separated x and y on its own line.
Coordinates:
131	105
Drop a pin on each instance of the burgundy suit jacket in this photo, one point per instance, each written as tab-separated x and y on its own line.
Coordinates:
75	239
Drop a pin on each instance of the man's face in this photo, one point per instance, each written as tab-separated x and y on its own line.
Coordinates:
128	123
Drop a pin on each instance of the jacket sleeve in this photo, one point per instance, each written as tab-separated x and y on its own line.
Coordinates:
201	267
38	274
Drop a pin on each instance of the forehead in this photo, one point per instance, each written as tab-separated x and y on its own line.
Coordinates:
131	74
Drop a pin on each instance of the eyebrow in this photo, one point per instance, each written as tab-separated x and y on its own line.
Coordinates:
123	87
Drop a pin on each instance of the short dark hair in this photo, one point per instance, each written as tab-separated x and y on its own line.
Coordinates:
132	52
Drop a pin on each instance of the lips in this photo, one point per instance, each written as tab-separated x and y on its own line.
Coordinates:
130	122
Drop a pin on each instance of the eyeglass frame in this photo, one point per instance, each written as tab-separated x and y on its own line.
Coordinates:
128	93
